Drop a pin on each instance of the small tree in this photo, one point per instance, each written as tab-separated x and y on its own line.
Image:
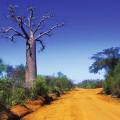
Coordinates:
32	34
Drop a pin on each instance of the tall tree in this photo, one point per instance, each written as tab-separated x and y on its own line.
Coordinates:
107	59
32	34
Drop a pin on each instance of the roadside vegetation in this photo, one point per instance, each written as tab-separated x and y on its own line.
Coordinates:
109	61
88	84
13	91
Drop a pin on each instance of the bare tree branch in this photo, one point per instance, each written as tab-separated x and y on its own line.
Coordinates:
12	37
41	43
48	31
31	12
26	25
11	29
30	18
12	12
44	18
20	23
18	19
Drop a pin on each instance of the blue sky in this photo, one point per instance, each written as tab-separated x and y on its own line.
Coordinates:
90	26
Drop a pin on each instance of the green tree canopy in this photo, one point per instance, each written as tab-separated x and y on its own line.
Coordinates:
107	60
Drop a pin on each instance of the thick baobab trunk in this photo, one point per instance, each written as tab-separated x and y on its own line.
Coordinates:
31	69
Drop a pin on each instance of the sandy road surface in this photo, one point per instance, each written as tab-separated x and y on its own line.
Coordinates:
79	105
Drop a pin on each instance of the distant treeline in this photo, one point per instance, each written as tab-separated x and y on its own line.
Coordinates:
91	84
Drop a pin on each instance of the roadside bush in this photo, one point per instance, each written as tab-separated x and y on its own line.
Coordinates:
40	88
107	87
59	84
5	91
57	91
115	87
108	83
112	82
18	96
12	91
11	95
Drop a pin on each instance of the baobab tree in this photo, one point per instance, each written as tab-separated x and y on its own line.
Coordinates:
32	34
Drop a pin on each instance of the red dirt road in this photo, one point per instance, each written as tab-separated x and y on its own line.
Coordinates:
80	104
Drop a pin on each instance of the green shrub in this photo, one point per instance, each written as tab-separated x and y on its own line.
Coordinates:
5	91
11	95
116	88
112	82
57	91
116	81
18	96
107	87
40	88
59	84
